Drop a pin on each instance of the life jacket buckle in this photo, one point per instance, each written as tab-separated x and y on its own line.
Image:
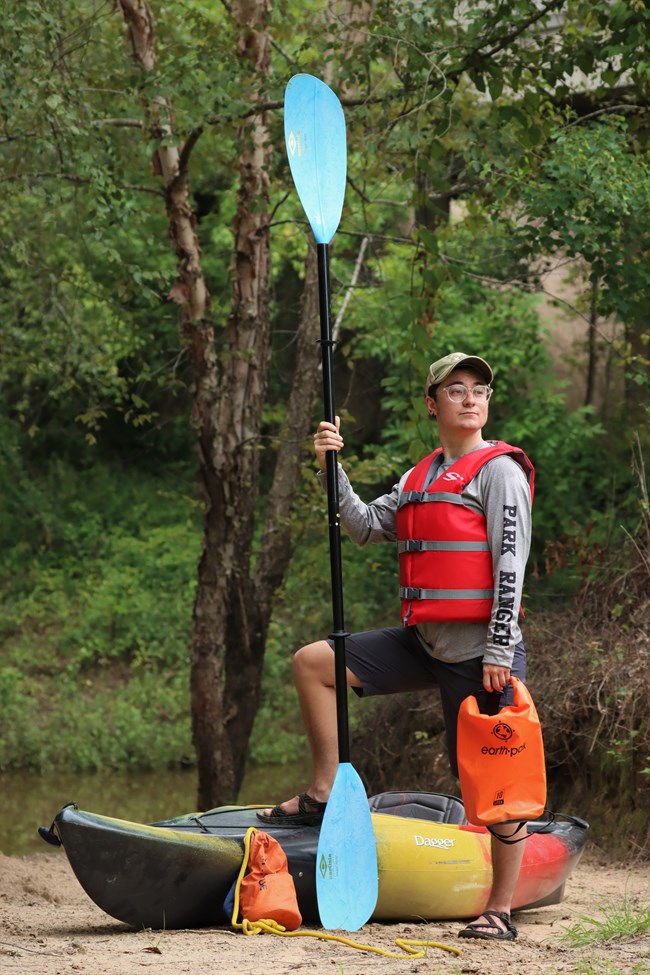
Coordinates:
408	592
414	545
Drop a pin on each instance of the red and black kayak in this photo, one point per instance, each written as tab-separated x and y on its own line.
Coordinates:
432	864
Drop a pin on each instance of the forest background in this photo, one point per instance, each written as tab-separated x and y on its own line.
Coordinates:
162	539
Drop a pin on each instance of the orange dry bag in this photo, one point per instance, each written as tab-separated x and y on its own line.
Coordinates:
501	761
267	892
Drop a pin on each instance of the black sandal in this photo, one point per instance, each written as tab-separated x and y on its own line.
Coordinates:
473	930
305	816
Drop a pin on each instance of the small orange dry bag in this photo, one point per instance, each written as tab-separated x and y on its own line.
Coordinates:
501	761
267	892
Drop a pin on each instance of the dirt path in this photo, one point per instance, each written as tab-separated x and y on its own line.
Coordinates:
48	926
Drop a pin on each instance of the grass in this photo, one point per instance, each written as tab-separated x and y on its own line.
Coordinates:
625	921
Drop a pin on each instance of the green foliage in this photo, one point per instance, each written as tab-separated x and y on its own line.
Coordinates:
586	198
85	265
86	725
589	196
627	920
444	102
95	624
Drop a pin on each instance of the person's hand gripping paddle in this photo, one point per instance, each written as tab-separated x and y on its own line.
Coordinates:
346	861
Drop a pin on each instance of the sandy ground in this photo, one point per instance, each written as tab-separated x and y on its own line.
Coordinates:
48	926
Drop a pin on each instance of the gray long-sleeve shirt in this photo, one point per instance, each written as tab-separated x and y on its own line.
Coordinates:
499	491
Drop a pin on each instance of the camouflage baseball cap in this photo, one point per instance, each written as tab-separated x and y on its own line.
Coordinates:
440	369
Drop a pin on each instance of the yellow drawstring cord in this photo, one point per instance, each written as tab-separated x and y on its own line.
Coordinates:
409	946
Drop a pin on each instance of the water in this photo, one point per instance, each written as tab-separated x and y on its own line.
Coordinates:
30	800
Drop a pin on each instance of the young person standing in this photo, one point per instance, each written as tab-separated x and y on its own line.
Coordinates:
462	522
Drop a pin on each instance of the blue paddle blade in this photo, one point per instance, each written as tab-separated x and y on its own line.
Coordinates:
346	861
314	130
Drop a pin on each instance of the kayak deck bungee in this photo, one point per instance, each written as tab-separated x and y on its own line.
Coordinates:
432	865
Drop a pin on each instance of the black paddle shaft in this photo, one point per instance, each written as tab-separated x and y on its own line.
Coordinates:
338	635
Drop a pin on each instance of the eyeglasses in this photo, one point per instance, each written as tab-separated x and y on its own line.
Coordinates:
457	392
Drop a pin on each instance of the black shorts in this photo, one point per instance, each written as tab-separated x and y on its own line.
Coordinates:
393	659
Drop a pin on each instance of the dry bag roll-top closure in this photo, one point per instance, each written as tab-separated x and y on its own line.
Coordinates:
501	761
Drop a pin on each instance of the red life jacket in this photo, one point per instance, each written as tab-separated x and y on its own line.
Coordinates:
443	542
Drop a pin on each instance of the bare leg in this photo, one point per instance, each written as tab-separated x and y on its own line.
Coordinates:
313	670
506	865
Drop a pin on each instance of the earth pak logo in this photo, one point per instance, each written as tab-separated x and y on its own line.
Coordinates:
502	731
503	750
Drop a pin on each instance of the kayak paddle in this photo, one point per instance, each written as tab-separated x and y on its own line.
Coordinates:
346	859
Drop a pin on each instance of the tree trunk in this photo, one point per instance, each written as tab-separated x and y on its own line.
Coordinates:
171	162
592	345
637	351
232	609
275	549
229	634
